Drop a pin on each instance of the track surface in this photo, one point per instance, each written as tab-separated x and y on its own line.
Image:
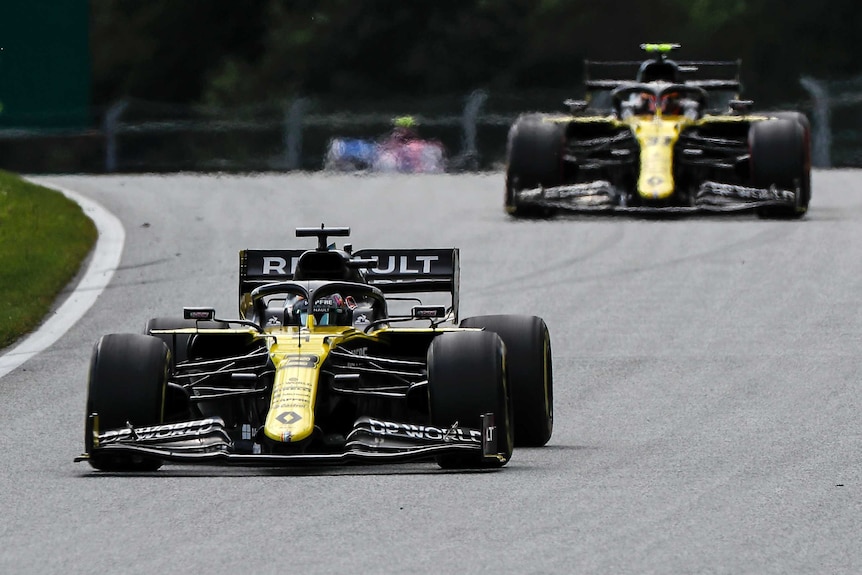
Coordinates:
707	395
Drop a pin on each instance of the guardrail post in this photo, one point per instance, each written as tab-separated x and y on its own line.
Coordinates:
110	127
469	120
293	133
821	138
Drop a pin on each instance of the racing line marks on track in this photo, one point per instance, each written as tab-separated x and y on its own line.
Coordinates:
737	245
104	261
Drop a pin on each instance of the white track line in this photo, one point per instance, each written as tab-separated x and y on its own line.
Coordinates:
103	263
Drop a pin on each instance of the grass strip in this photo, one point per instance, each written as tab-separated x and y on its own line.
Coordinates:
44	238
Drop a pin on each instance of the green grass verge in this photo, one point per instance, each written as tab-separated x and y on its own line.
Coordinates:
44	237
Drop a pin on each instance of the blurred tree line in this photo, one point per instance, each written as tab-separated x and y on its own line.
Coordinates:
225	52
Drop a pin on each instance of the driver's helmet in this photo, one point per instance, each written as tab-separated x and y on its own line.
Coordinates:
642	103
671	104
403	128
404	122
327	310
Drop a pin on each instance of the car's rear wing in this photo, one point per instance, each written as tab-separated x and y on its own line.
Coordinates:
622	71
397	271
711	75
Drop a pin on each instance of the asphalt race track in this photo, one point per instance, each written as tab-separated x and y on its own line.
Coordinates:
706	379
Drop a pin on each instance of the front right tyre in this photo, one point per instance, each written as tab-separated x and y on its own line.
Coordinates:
127	384
466	379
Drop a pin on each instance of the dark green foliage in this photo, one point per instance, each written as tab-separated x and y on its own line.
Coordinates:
228	52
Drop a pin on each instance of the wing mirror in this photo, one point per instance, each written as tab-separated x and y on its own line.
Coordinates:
428	311
199	313
575	106
741	106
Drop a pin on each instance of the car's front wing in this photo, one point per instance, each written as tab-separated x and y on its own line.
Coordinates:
207	442
602	197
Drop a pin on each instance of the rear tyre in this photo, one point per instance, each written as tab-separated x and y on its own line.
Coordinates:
529	370
127	383
780	156
534	153
467	378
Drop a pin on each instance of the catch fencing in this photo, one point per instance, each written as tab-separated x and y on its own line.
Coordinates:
141	136
138	136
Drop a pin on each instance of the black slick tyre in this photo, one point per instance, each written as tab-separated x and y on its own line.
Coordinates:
534	153
529	370
467	378
127	383
803	121
780	157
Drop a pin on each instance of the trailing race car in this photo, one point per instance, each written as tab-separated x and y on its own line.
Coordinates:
402	151
665	142
317	370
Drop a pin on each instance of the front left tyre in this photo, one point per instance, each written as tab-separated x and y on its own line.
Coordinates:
127	385
781	157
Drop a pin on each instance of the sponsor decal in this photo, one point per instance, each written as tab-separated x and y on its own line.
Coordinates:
185	429
424	432
755	194
272	263
428	311
360	318
203	314
288	417
292	394
585	190
407	264
278	266
198	315
283	263
301	360
490	433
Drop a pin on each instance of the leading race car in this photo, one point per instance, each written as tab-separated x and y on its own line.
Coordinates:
665	142
317	369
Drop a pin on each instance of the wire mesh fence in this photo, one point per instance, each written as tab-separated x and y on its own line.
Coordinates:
140	136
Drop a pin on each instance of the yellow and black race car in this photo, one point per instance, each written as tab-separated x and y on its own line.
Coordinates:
668	141
317	369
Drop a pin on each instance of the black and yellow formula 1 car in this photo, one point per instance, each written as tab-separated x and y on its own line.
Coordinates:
318	370
665	142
